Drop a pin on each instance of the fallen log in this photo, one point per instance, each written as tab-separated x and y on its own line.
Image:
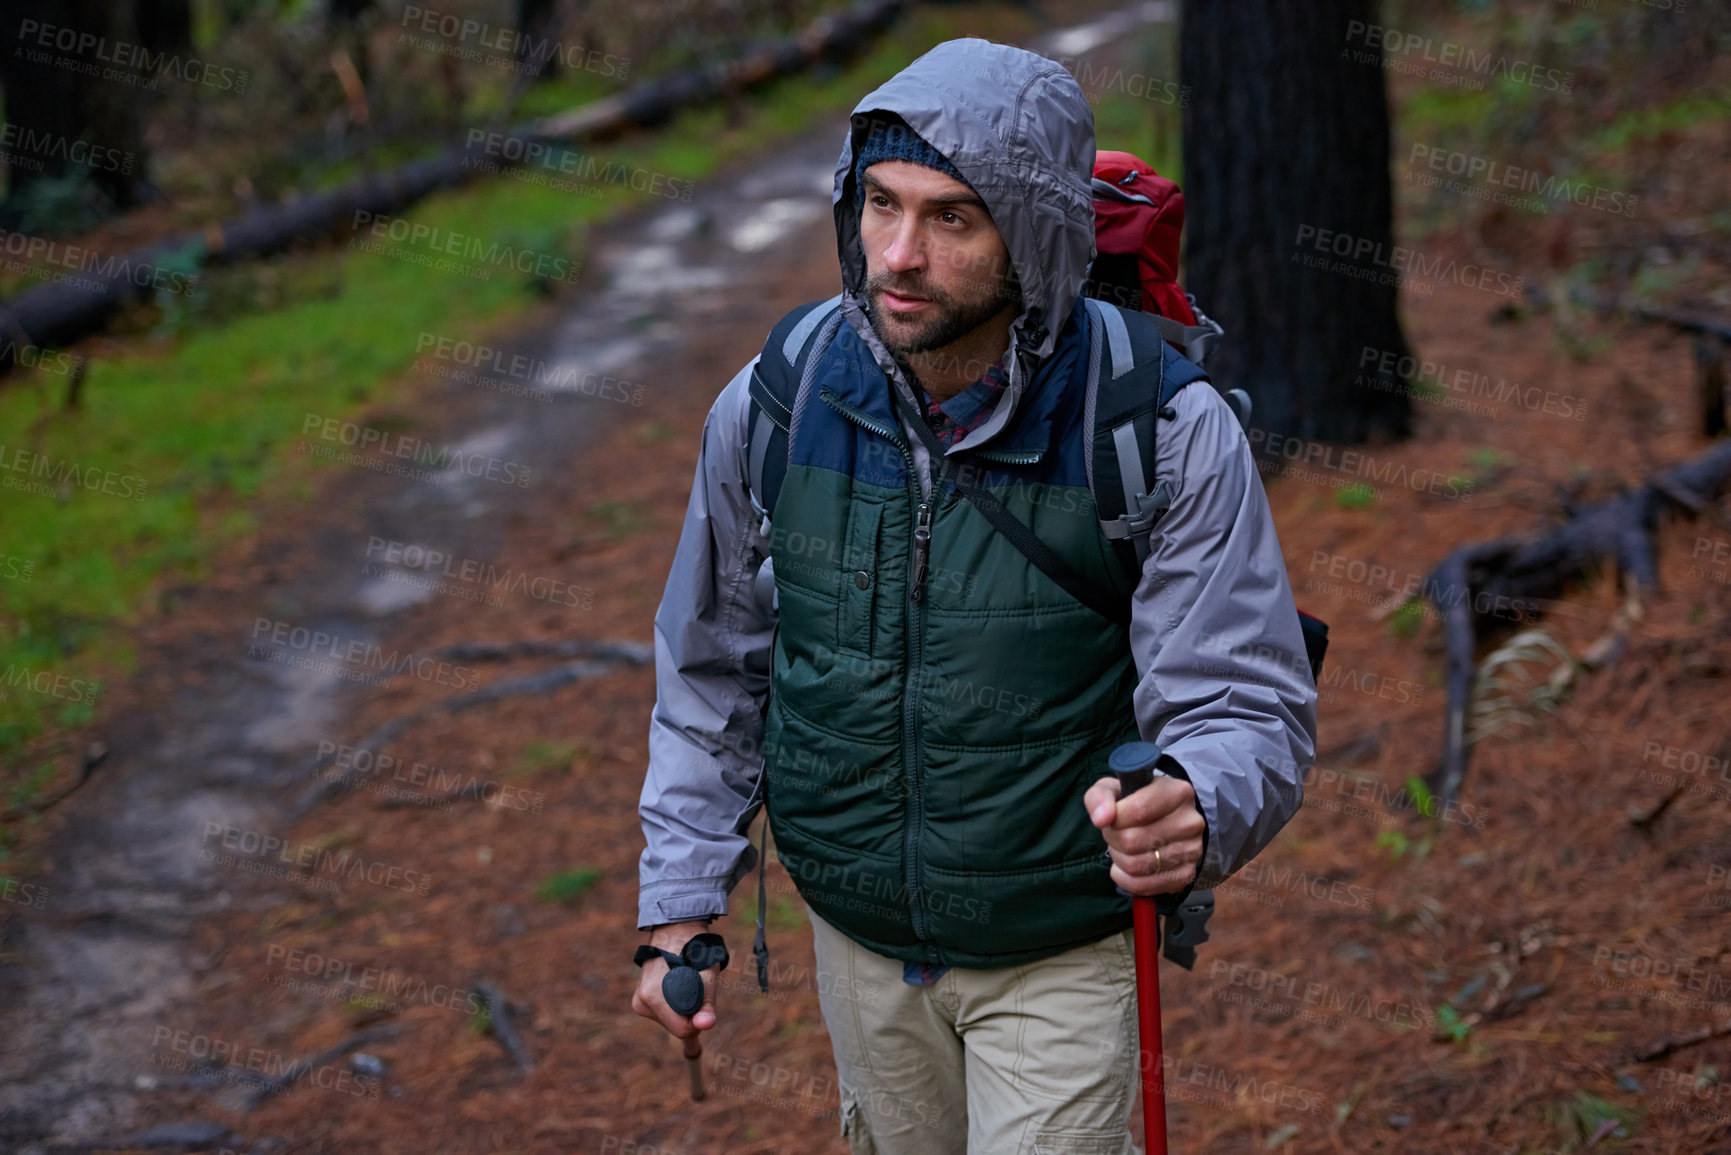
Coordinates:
1513	571
77	305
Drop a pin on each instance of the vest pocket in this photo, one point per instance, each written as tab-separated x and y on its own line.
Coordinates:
858	580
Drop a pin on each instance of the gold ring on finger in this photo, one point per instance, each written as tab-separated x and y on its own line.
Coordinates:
1158	869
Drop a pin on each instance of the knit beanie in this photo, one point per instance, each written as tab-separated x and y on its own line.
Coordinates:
894	140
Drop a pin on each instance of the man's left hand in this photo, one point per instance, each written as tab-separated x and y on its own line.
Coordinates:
1162	816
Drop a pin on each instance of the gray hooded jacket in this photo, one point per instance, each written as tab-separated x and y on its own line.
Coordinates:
1224	684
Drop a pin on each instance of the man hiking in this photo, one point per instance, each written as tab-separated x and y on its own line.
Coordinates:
926	714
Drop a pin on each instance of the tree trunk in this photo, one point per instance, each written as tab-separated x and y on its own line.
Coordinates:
343	23
1286	137
164	26
349	12
58	115
535	20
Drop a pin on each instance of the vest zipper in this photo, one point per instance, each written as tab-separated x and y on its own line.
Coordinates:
916	626
916	619
914	748
922	547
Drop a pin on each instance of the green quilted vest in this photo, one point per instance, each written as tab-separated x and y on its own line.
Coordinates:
928	746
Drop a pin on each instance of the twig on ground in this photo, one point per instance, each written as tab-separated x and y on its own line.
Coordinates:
499	1023
1694	1038
1643	821
598	658
301	1068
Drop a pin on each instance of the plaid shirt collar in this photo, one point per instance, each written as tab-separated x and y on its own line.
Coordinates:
954	419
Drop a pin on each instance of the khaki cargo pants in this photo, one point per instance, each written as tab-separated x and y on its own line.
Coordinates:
1029	1060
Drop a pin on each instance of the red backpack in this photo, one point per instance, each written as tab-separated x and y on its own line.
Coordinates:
1138	220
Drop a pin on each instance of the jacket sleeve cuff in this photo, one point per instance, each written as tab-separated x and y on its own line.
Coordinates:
687	900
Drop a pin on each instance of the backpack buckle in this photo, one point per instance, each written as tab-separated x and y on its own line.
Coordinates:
1149	508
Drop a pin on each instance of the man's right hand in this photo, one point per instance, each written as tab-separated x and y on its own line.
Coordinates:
648	1001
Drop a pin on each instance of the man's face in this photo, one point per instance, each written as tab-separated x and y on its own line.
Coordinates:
936	268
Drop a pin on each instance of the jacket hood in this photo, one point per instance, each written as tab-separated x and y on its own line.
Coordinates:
1018	128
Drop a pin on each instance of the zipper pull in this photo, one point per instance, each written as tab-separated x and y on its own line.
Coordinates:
922	546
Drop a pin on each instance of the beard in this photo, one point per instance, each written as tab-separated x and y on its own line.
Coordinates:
954	319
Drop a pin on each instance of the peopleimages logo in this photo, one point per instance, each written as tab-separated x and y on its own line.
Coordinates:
544	379
1456	387
1319	887
510	43
1294	988
79	259
26	148
390	986
1496	175
26	894
1299	457
133	63
32	472
1462	65
51	684
358	652
1353	251
440	243
1405	585
472	571
216	1059
445	459
55	361
437	787
269	849
586	169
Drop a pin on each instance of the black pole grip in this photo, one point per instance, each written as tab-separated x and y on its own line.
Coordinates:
682	987
1132	764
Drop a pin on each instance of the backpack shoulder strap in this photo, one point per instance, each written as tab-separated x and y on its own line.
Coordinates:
1123	408
1127	395
778	381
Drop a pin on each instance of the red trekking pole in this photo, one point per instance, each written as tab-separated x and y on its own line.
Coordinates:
1133	765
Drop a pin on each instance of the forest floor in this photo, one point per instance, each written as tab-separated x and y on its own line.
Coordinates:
1486	979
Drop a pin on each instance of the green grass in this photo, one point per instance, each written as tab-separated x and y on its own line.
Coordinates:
1358	495
1432	115
1488	122
1450	1027
552	757
568	885
1408	620
1644	125
197	421
1589	1119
